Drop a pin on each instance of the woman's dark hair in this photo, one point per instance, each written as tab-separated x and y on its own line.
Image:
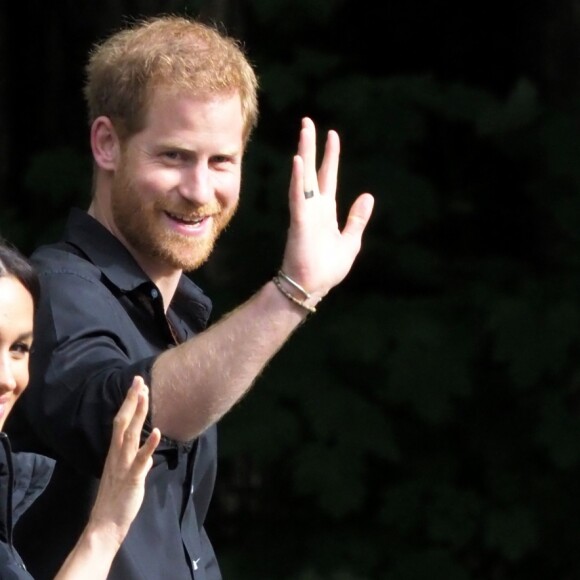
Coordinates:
13	263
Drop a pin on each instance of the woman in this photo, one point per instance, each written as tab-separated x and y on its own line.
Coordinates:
24	476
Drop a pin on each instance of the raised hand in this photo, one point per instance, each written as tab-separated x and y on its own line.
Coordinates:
318	253
122	484
121	491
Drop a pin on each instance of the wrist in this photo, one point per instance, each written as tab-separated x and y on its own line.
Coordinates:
105	535
295	292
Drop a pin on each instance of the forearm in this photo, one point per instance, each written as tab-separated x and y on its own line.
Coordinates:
93	554
196	383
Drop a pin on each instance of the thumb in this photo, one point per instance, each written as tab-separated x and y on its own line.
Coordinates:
359	215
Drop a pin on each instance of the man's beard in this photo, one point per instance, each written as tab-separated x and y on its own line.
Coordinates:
141	227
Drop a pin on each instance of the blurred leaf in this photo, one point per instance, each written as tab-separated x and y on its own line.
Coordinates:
354	425
410	201
430	363
512	531
403	506
454	516
533	334
520	109
431	564
559	432
244	428
335	479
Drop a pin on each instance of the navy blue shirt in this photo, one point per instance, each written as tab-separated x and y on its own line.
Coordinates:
100	322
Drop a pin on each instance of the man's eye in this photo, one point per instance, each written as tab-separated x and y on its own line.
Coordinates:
219	159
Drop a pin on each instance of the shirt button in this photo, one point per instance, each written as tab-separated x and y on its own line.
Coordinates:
154	293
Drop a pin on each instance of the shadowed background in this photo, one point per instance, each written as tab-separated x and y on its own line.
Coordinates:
422	425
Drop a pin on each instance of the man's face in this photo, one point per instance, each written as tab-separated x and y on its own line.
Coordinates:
178	181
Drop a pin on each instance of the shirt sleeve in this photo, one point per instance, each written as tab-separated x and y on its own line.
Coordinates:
80	368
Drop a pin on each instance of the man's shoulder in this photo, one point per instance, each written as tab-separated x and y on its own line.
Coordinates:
61	257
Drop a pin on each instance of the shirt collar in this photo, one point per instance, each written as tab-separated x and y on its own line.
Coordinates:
106	252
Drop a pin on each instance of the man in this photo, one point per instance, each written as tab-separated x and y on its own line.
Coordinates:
172	104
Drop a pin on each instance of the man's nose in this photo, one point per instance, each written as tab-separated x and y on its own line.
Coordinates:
196	184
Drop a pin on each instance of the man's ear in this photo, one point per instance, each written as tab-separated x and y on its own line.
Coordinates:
105	143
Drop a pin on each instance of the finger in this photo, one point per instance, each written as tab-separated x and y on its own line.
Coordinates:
296	191
307	150
143	458
126	411
141	409
328	173
358	216
132	435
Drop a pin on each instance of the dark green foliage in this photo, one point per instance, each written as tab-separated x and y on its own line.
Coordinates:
423	424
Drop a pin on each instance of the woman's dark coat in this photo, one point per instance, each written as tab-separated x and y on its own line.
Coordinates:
23	477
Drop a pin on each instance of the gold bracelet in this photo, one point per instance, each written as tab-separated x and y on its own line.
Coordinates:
302	303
